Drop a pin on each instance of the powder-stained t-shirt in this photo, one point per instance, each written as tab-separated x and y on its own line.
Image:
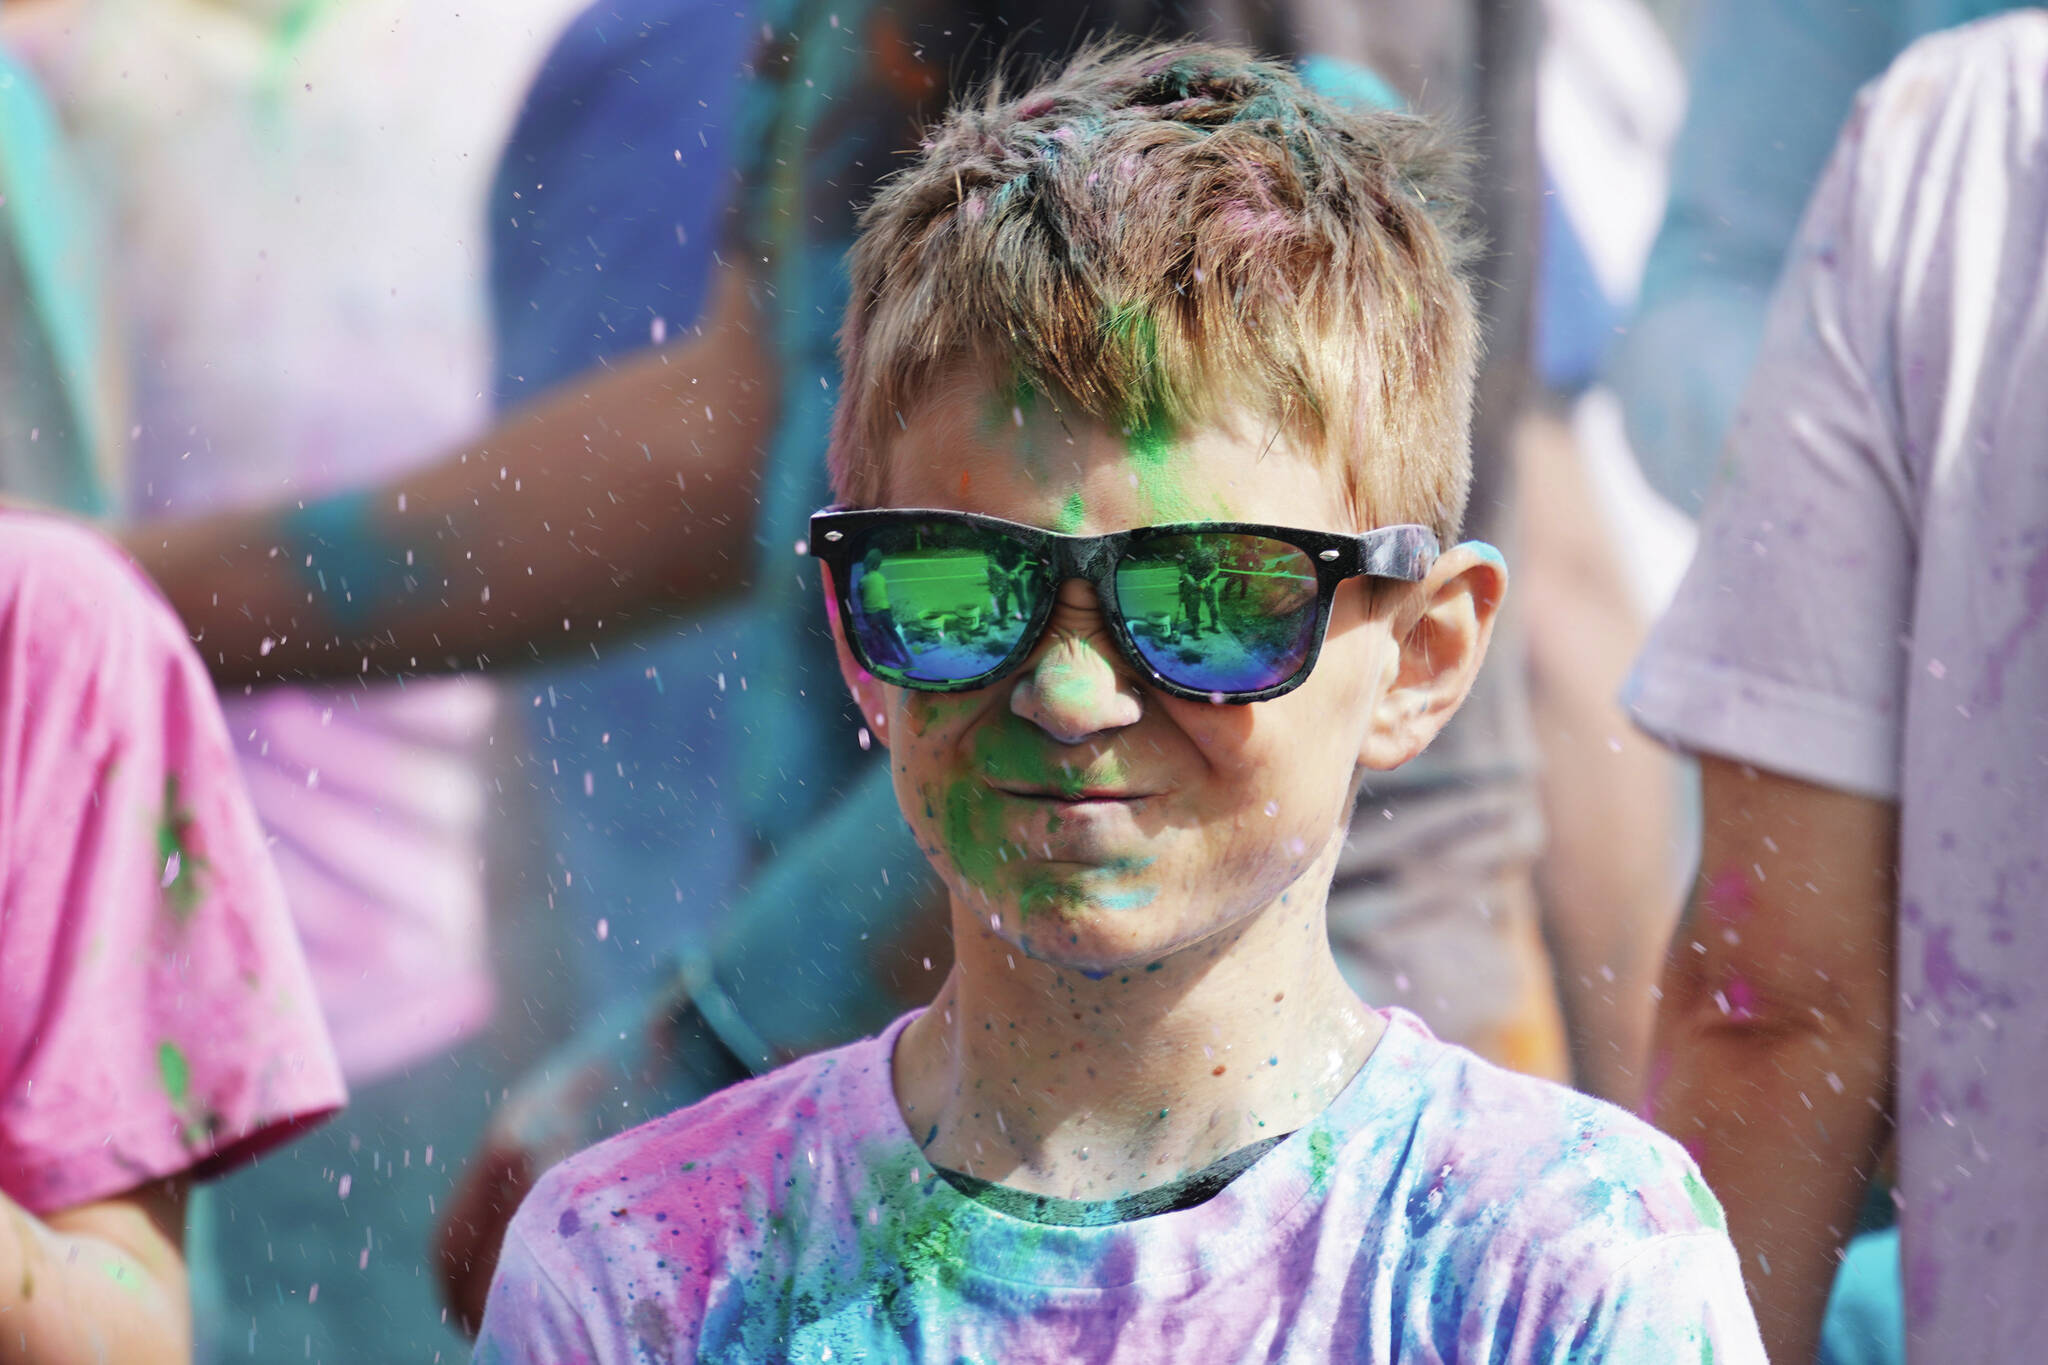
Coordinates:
1869	612
1441	1209
156	1015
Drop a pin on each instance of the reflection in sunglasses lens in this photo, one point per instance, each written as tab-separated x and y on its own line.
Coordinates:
940	602
1219	611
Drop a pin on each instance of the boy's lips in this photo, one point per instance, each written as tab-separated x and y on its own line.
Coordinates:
1070	798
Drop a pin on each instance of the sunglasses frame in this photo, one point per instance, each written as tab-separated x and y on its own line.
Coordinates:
1403	553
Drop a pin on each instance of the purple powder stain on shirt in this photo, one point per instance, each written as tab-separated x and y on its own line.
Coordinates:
569	1224
2002	655
652	1326
1952	987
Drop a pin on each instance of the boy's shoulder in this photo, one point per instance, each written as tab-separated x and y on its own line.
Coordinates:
684	1169
1536	1164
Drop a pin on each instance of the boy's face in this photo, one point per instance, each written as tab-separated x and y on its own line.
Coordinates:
1089	819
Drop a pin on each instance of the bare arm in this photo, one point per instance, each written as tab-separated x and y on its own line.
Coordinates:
103	1281
1608	876
1774	1037
615	494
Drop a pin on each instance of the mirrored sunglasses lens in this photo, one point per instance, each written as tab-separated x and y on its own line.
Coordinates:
1218	611
938	602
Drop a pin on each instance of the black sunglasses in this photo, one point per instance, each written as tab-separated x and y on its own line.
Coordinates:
1221	611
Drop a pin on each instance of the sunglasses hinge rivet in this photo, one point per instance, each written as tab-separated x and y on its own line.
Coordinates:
1327	554
834	535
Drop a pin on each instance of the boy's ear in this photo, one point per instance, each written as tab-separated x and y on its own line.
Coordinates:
1440	634
865	688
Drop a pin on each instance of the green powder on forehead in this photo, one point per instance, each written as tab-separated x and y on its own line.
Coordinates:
1072	513
1151	444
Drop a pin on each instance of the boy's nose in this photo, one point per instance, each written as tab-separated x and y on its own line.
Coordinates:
1076	684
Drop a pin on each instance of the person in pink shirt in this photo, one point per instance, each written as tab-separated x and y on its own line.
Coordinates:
157	1023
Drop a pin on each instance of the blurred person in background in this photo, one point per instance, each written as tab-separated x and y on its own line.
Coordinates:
158	1025
1770	82
60	390
1858	657
1599	552
294	194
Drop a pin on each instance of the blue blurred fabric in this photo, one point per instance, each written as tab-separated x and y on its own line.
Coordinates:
608	205
1771	82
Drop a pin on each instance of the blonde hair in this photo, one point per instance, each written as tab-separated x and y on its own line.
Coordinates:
1159	232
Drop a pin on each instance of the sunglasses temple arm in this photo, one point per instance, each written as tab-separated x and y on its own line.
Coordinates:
1406	553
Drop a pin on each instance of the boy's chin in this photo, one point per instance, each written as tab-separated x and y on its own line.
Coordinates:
1096	941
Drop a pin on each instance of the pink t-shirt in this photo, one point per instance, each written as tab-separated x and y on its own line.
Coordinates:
1869	612
155	1012
1441	1209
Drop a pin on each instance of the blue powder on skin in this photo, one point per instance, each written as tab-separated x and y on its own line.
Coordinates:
358	566
1486	552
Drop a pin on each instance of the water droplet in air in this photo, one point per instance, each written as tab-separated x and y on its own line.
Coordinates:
171	866
347	1183
604	930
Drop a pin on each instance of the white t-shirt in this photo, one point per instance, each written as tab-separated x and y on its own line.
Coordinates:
1867	612
1441	1209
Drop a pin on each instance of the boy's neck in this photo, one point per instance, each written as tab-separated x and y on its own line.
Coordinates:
1040	1078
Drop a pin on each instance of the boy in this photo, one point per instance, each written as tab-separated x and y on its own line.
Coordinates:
1170	286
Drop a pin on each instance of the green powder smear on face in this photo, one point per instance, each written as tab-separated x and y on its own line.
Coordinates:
971	829
974	830
1072	513
1150	441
